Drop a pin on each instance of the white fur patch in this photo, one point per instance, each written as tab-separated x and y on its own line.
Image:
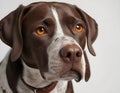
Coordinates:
33	77
3	78
59	30
60	88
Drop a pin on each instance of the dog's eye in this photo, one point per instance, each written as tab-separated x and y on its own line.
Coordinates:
41	31
78	28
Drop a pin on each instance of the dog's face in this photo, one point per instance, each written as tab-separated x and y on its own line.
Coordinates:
51	37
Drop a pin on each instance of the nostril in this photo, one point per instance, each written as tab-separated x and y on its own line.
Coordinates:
78	54
68	55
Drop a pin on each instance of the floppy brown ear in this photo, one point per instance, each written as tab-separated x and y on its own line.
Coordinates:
92	29
10	32
87	67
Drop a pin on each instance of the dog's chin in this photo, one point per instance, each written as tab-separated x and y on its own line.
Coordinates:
72	74
67	76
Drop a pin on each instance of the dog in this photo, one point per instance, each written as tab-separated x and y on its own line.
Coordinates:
48	41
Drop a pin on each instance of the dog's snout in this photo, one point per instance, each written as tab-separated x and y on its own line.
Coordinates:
71	53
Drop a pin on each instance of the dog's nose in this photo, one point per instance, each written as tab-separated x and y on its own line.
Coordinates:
71	53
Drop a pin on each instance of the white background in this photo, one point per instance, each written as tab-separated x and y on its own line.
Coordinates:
105	67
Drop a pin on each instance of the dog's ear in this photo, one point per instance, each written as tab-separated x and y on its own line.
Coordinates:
87	68
92	29
10	32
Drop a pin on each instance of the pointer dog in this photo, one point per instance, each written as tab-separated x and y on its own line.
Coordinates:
47	41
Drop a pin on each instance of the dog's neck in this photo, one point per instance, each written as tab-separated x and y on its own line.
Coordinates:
33	77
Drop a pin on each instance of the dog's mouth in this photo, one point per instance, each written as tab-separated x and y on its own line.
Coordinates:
66	75
72	74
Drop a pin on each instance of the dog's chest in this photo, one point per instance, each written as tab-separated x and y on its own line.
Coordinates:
60	88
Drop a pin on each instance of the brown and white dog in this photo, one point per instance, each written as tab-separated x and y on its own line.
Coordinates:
47	41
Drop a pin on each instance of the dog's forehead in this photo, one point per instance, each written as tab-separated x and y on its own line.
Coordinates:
43	10
37	11
66	9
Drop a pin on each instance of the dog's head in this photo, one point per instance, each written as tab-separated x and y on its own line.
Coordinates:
52	38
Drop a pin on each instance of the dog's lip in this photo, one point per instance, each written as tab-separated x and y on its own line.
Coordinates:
68	74
79	75
73	73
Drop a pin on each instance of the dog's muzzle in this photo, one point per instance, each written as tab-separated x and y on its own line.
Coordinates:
71	55
65	60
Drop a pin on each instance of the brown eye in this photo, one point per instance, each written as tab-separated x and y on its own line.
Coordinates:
78	28
40	31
